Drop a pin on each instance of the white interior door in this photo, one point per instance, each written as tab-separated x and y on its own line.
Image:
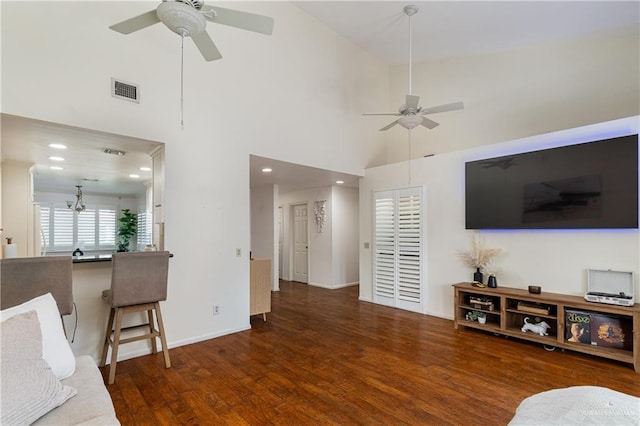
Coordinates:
301	244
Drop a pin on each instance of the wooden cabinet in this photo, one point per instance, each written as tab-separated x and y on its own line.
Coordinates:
506	308
260	288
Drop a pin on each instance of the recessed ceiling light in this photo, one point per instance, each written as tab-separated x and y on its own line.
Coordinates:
134	176
145	169
267	170
56	168
339	182
57	146
56	158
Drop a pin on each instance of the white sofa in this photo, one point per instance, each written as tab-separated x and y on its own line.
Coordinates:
43	383
91	406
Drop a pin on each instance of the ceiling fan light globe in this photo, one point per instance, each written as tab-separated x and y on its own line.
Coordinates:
181	18
410	121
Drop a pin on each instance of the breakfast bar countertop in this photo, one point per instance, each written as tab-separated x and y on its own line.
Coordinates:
92	258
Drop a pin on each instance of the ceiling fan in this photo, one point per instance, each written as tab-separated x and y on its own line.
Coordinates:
411	113
188	18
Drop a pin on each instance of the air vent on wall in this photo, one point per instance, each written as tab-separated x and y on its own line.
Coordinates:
126	91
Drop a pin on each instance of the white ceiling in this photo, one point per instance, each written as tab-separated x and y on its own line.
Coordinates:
444	29
441	29
85	163
290	177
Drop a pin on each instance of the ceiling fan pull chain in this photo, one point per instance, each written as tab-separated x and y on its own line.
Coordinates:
182	83
409	156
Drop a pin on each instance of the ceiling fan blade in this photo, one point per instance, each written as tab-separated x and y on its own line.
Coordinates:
206	46
136	23
443	108
412	101
236	18
383	113
429	124
388	126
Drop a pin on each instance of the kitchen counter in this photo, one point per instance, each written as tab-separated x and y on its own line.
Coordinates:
92	258
96	258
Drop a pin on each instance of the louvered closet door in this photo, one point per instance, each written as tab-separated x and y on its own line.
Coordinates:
385	248
398	249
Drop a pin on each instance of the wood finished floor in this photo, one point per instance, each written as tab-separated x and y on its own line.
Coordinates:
323	357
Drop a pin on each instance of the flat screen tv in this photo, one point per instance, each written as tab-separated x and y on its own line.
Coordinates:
589	185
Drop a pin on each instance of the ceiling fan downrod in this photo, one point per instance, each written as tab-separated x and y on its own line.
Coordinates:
410	10
182	34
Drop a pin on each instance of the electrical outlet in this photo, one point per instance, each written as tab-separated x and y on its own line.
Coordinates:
216	309
238	252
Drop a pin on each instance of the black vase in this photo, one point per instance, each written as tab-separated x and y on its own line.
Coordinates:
492	281
477	275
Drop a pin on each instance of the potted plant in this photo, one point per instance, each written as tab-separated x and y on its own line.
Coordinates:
126	230
479	256
481	317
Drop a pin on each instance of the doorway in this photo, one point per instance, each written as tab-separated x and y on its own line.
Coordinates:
300	243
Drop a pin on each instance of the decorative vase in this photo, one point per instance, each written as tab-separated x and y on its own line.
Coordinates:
482	320
477	275
492	281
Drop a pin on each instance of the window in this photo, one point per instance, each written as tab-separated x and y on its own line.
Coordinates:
398	248
145	229
44	227
65	229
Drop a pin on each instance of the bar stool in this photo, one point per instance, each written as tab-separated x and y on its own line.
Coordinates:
138	284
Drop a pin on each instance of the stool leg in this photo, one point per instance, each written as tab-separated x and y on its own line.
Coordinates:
107	337
154	345
163	339
116	344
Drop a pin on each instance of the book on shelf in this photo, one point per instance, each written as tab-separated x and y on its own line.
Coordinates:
533	308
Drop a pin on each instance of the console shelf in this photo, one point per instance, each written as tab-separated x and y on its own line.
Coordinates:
511	306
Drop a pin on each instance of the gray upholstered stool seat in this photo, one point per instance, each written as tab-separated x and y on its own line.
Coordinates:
138	284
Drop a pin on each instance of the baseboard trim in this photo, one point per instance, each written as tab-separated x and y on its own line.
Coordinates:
334	287
122	355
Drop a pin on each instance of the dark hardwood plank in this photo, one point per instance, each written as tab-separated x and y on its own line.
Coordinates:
323	357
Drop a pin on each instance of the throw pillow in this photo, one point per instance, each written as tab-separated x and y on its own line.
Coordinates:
29	387
55	347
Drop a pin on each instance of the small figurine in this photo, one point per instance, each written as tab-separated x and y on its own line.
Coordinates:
539	328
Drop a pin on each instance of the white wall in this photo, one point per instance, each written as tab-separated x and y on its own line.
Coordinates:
17	186
262	217
556	260
345	212
263	238
58	68
519	93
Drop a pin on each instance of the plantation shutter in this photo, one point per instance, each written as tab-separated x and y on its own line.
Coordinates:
409	248
385	247
144	229
107	227
87	229
45	229
398	248
63	228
